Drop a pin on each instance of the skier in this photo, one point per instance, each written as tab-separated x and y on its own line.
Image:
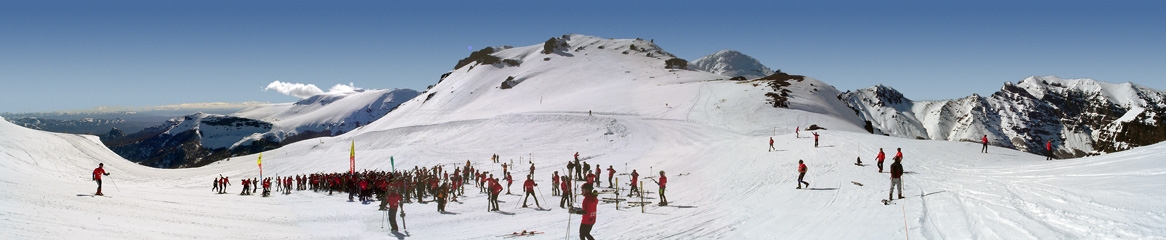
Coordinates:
223	183
1049	148
215	185
246	186
635	179
590	200
392	199
896	180
797	132
586	169
985	141
529	186
555	184
509	182
565	191
771	144
570	168
898	154
578	168
663	181
610	173
598	173
495	189
532	169
802	174
882	156
97	172
815	139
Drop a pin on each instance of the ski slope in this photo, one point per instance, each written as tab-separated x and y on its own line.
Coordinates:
710	136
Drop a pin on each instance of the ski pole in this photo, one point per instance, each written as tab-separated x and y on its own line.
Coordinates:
114	184
540	194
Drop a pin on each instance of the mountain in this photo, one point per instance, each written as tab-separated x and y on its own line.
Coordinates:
1081	116
732	64
709	137
200	139
82	125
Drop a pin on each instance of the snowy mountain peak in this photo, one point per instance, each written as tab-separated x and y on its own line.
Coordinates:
731	63
1080	116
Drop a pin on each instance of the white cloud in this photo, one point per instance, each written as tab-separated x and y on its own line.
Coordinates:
301	90
341	88
298	90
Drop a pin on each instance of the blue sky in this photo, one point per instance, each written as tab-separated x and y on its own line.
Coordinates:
64	55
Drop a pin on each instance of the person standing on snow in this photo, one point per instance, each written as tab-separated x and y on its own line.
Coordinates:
495	189
815	139
662	183
882	156
555	184
565	191
392	199
509	182
635	179
771	144
802	174
598	173
985	141
610	173
529	187
215	184
590	200
896	180
1049	148
797	132
578	168
97	173
898	154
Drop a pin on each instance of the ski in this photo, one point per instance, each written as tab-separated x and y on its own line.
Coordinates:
523	233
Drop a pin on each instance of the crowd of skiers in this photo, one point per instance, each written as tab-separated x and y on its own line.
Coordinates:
441	185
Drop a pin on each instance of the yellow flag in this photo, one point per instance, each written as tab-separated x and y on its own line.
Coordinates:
260	161
352	157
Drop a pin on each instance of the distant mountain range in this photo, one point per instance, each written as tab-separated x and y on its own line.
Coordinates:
199	139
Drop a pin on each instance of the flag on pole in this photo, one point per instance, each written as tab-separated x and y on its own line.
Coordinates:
260	162
352	158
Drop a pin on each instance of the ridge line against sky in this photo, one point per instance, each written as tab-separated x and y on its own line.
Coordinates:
63	55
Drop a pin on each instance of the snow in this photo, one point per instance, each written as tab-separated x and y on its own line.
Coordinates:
731	64
709	136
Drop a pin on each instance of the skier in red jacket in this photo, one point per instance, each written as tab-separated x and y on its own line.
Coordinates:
393	200
495	189
529	187
882	156
771	144
635	179
802	174
610	173
97	173
662	183
590	200
815	139
509	182
555	184
898	154
565	192
985	141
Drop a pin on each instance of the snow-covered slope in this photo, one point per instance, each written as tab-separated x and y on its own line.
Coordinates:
732	64
709	137
1081	116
